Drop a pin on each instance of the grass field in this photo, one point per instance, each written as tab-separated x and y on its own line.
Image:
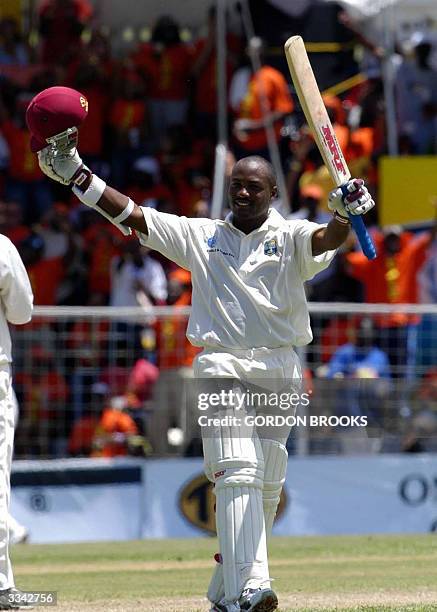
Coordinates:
374	573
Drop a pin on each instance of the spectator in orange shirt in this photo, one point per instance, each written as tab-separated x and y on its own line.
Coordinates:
165	64
104	431
174	387
267	100
392	278
174	349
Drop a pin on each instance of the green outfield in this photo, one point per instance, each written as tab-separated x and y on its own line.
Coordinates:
373	573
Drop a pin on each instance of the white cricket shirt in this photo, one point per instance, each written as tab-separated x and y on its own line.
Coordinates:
248	290
16	295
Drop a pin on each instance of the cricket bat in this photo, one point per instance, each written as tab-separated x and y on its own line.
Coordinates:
318	120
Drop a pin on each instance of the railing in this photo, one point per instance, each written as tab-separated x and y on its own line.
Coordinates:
70	363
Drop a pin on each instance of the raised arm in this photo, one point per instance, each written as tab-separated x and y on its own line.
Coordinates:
169	234
66	167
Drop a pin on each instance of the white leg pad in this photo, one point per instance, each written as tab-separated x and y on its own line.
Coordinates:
240	525
275	468
216	589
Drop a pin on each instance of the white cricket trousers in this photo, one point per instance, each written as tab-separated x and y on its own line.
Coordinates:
269	369
7	407
246	464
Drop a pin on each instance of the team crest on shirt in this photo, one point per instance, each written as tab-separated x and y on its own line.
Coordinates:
270	247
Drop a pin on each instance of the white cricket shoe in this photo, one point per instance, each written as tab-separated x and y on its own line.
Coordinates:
258	600
225	607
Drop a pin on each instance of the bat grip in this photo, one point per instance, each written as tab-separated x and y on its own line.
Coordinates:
361	231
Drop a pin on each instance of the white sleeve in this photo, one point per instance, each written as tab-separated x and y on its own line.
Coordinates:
15	290
168	234
309	265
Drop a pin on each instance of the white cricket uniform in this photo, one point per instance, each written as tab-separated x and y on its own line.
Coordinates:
248	312
248	290
16	307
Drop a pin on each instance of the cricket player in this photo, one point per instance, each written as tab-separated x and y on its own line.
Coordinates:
16	307
248	313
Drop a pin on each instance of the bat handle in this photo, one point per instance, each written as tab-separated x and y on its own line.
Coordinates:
361	231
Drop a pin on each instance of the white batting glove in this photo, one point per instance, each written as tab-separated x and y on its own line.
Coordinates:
357	202
60	165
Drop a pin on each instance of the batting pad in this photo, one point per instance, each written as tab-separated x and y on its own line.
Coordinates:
240	526
275	468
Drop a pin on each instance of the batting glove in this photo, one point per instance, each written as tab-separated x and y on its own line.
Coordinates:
357	202
60	165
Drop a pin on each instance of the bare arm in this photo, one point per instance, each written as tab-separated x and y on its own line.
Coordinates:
330	237
113	202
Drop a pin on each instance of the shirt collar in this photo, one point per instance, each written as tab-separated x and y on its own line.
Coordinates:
273	221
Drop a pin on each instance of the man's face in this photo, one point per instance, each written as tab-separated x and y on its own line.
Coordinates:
250	191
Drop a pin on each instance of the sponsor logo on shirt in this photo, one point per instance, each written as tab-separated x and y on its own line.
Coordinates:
212	247
270	247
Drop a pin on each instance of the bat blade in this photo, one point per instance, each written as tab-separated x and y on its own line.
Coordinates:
314	109
318	120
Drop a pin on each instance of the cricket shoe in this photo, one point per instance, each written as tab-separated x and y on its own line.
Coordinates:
258	600
220	606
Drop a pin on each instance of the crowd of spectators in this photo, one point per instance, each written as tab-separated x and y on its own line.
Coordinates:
151	132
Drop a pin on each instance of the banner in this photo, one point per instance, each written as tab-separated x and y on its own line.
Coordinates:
407	189
63	501
323	495
78	500
360	495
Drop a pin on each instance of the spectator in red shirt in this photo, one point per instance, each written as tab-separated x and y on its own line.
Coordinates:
89	80
145	186
45	275
142	380
11	222
102	243
25	182
165	64
127	120
61	23
204	72
392	278
44	394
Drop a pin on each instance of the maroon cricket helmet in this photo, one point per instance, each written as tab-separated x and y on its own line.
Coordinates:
53	111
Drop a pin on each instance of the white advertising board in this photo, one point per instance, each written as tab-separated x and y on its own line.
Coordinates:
78	500
62	501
